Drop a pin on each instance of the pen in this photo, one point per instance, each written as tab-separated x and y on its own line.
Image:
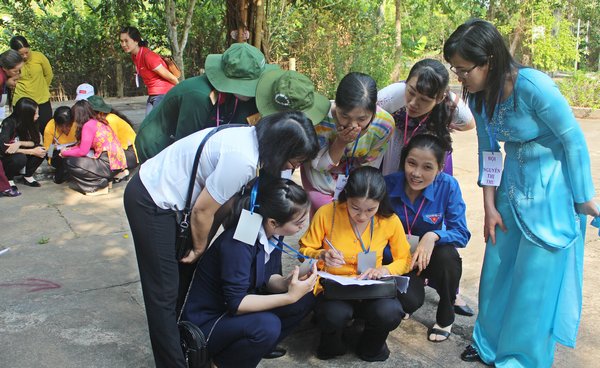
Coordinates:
335	249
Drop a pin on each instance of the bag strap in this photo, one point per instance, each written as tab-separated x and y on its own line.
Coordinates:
188	200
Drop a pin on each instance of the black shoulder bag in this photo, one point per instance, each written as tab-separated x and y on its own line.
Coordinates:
184	242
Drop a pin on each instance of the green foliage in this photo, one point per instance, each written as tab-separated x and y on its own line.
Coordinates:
581	89
43	240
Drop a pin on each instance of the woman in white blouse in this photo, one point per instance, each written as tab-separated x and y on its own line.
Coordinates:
422	104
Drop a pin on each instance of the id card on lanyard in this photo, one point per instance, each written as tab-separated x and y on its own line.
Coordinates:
250	222
138	57
492	160
342	179
413	240
366	258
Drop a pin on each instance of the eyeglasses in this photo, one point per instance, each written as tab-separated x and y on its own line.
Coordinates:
462	73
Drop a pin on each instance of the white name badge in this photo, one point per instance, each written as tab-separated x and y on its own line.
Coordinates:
413	240
305	267
248	227
286	174
366	261
3	99
340	184
137	81
50	150
492	168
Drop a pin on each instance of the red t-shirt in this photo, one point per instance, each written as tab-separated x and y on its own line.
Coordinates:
145	62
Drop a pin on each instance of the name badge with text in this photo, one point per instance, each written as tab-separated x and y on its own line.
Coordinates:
492	168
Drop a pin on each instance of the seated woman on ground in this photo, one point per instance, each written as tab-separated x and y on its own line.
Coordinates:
424	104
354	134
59	134
237	297
431	208
122	127
21	143
350	235
98	157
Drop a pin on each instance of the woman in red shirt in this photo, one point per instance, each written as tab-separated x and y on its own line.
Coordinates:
148	65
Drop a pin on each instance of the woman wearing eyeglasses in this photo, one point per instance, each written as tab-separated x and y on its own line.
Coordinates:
530	288
422	104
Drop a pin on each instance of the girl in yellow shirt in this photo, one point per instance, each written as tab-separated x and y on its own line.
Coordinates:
359	226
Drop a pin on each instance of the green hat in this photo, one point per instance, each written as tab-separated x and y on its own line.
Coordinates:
287	90
237	70
98	104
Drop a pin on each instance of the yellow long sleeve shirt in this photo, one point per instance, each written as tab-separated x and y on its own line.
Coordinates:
122	129
36	76
385	230
54	136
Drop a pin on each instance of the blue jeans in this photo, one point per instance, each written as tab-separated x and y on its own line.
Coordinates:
152	102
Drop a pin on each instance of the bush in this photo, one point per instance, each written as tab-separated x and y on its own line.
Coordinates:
581	89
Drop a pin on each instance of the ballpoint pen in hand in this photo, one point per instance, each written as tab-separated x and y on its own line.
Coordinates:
335	249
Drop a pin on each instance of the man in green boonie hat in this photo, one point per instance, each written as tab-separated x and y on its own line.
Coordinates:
288	90
225	94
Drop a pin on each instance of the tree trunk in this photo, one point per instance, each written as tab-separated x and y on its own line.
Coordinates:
258	24
119	78
177	45
398	46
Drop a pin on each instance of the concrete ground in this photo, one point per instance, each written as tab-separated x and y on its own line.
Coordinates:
70	293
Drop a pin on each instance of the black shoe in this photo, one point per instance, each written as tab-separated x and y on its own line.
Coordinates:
33	183
381	356
471	355
278	352
463	310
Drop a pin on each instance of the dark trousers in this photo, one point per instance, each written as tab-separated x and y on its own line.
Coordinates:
242	340
15	162
60	174
152	102
154	231
45	114
380	315
131	158
89	174
445	270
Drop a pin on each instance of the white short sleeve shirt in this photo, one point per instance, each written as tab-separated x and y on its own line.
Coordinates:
229	160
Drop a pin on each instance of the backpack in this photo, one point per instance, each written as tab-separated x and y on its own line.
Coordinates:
173	68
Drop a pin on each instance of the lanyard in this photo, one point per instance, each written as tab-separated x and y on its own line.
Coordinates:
294	253
350	160
137	61
55	137
218	107
253	195
409	226
406	138
359	237
488	122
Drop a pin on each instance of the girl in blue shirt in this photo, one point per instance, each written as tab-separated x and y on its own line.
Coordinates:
431	208
237	297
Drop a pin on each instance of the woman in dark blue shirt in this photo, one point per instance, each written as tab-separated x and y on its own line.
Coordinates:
431	208
237	297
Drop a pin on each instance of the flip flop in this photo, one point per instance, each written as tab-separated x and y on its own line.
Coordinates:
439	332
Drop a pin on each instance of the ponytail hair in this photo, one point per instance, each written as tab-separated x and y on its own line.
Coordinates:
135	35
278	199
